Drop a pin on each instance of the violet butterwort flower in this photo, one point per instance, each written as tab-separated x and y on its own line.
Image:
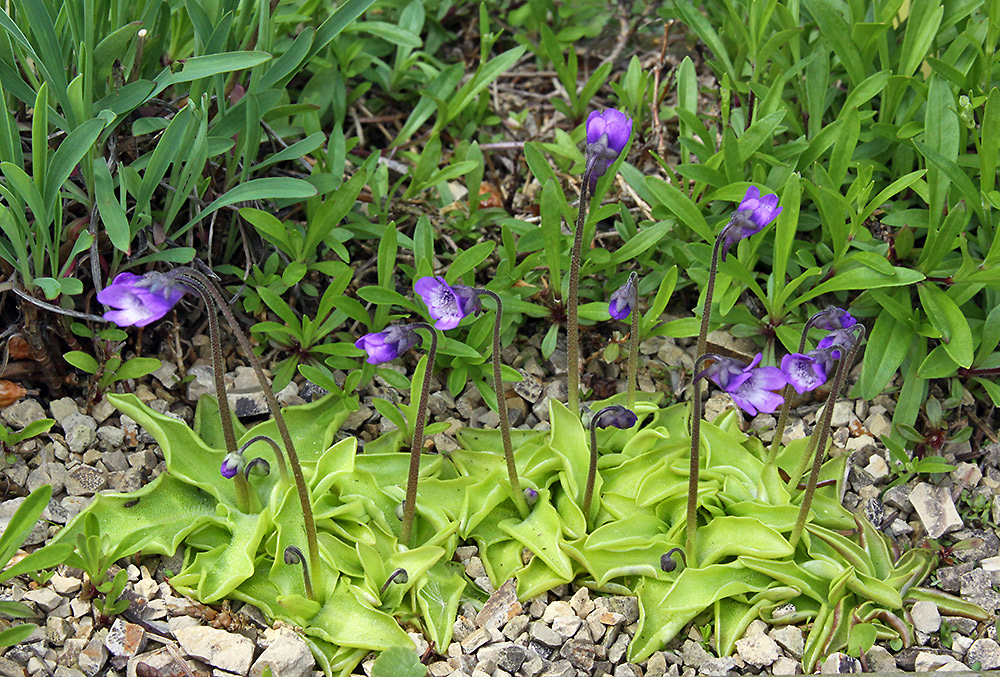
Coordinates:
140	300
752	215
838	338
617	416
620	305
833	317
804	372
750	386
231	464
387	345
607	135
446	304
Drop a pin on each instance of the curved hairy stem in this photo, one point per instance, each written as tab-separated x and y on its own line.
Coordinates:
416	445
786	393
821	435
508	448
706	311
572	299
191	275
633	346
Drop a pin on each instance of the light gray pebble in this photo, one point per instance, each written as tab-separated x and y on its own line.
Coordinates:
62	408
786	666
718	667
926	617
759	650
984	651
22	413
544	634
85	480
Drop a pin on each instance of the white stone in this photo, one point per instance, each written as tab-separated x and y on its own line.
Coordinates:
221	649
786	666
877	467
878	424
984	651
759	650
45	598
927	661
790	638
926	617
992	565
839	664
287	655
65	585
936	509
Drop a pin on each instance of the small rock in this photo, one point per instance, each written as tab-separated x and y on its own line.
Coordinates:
501	607
45	599
758	650
880	660
23	413
694	655
877	467
928	661
878	424
785	666
936	509
545	635
125	639
718	667
839	664
65	585
218	648
84	480
984	651
93	657
580	653
843	412
476	639
926	617
286	654
977	587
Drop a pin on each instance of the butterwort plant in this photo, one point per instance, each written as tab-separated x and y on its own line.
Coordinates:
624	303
448	305
388	345
752	215
608	133
751	388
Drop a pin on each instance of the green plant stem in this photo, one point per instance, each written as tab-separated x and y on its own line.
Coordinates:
786	395
508	448
821	434
572	299
416	445
706	311
279	420
691	527
633	346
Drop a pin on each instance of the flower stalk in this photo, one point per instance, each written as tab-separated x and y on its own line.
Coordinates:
416	444
194	278
820	436
615	415
573	298
498	388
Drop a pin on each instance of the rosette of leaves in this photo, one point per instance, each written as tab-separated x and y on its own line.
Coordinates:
849	588
237	555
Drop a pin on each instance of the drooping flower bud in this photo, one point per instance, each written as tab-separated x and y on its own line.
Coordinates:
608	133
387	345
140	300
751	217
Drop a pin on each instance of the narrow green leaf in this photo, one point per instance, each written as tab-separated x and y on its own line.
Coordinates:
945	315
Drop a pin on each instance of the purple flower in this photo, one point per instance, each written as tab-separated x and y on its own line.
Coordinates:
607	135
749	386
804	372
622	298
616	415
832	318
231	464
753	214
140	300
387	345
446	304
838	338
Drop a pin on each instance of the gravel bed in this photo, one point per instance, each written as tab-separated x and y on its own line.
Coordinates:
564	633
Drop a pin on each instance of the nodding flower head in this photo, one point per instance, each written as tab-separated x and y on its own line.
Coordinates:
607	135
832	317
750	217
447	304
387	345
616	415
750	386
620	305
804	372
836	339
231	464
140	300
